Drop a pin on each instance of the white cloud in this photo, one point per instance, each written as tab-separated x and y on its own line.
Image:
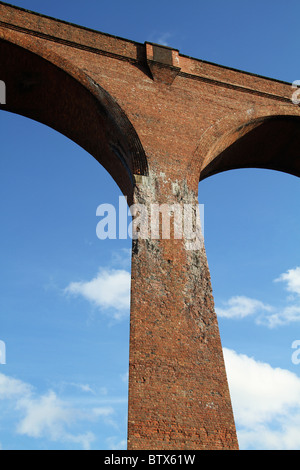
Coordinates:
11	387
241	306
292	280
266	403
290	313
109	290
270	316
287	315
46	416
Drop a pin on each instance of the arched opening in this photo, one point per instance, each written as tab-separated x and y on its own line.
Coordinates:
64	384
252	234
44	87
270	142
65	377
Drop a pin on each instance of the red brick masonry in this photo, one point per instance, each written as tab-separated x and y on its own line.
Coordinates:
159	122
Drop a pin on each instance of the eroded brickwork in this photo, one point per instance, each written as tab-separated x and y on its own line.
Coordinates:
178	395
159	122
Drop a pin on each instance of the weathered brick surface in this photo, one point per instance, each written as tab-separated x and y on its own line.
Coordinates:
178	395
159	122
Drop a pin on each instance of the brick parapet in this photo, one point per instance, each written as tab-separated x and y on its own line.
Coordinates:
97	42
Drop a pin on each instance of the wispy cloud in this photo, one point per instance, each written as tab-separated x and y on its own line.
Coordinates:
11	387
239	307
42	415
285	316
114	444
266	403
121	259
83	387
162	38
47	416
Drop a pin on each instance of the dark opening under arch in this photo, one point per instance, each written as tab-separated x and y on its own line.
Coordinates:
272	143
44	87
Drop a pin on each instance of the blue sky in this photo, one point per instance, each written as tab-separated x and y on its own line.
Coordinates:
64	322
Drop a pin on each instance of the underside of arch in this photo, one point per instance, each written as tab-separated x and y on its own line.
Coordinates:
271	142
67	100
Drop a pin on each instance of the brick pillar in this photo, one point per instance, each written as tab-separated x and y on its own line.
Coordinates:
178	392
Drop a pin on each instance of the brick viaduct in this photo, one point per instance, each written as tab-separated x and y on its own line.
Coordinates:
159	122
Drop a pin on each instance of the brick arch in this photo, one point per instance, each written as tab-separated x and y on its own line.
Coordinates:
47	88
267	139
